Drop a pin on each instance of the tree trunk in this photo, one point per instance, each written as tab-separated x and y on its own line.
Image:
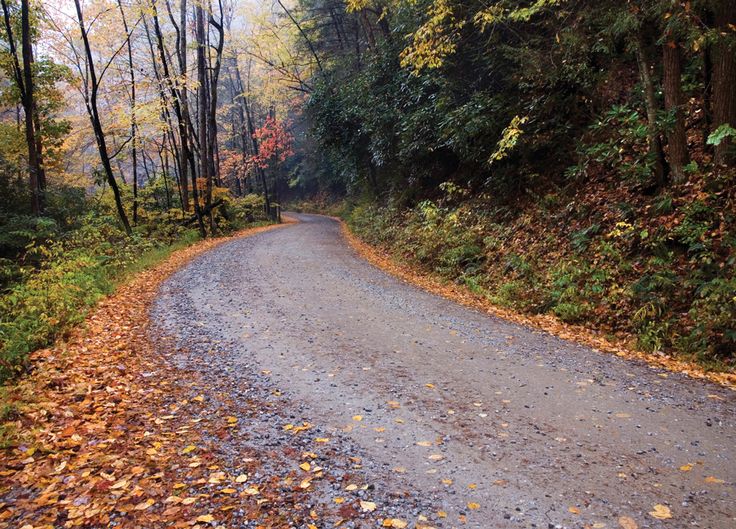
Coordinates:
202	111
24	81
672	84
94	117
133	125
724	78
653	139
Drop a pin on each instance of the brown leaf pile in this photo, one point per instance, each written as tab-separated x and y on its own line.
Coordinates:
546	322
109	437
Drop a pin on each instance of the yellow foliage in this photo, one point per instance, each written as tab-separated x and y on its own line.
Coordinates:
434	40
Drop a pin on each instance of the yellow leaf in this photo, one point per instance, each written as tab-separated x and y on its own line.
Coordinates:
352	486
190	448
380	429
322	440
367	506
574	510
228	491
424	443
397	523
231	420
251	491
472	486
305	466
199	398
188	501
687	468
712	479
473	506
447	481
661	512
442	514
206	518
120	484
627	523
339	500
305	483
242	478
430	386
357	417
393	404
142	506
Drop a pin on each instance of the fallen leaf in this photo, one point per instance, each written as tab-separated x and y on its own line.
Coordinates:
661	512
357	418
687	468
473	506
305	466
424	443
206	518
367	506
713	479
627	523
242	478
574	510
142	506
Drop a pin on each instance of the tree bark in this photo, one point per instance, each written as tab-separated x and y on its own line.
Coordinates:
650	100
133	124
724	78
24	80
91	104
202	111
672	84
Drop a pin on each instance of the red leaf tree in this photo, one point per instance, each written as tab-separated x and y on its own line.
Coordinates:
275	142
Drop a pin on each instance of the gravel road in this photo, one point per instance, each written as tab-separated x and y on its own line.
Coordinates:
456	416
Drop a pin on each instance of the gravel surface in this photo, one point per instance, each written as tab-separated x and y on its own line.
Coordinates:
447	413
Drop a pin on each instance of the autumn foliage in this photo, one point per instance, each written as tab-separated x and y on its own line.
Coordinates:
275	142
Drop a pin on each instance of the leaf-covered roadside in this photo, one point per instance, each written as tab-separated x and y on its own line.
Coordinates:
111	433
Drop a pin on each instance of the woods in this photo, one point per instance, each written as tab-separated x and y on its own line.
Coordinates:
114	148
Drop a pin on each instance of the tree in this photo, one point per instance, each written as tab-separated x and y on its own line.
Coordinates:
724	77
91	90
24	79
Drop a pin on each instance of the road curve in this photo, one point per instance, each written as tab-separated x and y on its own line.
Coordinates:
493	423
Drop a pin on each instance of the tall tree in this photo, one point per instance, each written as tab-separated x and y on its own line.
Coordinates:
24	79
133	124
724	77
91	92
672	85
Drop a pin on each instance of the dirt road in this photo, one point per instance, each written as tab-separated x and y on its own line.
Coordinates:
452	417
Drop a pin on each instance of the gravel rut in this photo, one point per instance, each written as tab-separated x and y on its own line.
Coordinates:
456	415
